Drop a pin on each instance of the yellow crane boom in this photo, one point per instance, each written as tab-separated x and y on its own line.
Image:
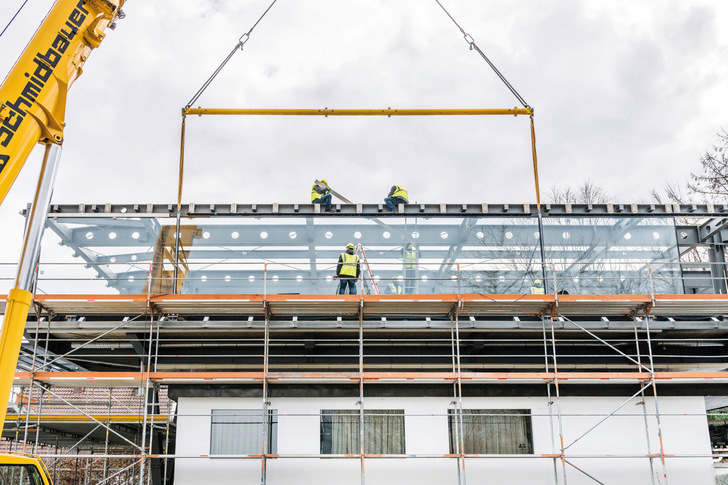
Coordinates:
33	96
32	111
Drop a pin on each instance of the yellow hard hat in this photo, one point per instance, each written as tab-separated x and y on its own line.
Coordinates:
350	245
324	182
536	282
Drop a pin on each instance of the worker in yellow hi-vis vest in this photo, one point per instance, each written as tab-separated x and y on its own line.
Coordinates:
393	287
397	195
537	288
348	270
410	257
321	194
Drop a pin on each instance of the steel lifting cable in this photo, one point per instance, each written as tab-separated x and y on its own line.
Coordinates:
11	20
241	42
239	45
473	46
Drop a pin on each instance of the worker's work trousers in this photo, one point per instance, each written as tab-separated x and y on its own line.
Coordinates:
324	200
344	282
393	201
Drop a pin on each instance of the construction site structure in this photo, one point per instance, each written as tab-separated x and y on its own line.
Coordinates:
202	343
253	370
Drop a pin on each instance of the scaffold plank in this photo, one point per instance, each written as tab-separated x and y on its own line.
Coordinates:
211	304
602	304
331	305
81	418
386	305
678	305
93	304
134	379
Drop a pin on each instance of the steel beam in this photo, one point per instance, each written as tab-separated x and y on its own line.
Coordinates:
368	209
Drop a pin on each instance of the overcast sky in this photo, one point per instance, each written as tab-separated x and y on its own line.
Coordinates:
626	93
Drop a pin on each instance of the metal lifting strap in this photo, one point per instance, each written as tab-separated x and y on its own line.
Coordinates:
473	46
241	42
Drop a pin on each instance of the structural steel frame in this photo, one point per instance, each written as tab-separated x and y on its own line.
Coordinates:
483	209
554	311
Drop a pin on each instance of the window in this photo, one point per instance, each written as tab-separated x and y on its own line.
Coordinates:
20	475
240	431
492	431
383	431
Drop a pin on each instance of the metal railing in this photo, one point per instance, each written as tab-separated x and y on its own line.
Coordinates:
381	277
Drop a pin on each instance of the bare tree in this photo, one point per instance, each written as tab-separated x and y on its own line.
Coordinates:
712	183
586	193
672	193
709	186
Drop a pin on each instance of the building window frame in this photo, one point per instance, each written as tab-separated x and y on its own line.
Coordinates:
240	431
384	432
492	431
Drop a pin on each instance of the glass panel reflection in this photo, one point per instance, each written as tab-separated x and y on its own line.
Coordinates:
627	255
398	255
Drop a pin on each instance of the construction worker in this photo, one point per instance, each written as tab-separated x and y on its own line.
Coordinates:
397	195
410	256
348	270
537	288
321	194
393	287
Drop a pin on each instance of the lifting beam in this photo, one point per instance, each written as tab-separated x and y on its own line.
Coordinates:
326	112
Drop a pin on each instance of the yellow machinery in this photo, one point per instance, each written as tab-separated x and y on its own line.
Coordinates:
32	111
17	468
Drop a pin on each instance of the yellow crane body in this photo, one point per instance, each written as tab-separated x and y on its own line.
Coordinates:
33	96
32	111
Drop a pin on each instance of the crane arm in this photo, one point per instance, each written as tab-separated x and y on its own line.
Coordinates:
32	111
33	95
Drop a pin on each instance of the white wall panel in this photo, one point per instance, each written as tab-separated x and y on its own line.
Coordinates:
684	427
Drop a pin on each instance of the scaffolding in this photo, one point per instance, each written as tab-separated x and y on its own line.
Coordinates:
358	320
74	339
99	372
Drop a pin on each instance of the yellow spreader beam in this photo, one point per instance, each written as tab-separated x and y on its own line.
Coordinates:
357	112
389	112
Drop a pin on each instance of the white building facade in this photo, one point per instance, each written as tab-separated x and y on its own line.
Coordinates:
615	451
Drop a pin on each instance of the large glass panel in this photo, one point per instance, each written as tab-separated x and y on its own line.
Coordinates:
625	255
398	255
102	255
498	255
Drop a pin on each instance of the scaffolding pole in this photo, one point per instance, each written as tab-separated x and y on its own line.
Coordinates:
146	369
644	404
106	437
654	391
549	403
361	391
558	396
265	417
456	426
459	414
166	439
